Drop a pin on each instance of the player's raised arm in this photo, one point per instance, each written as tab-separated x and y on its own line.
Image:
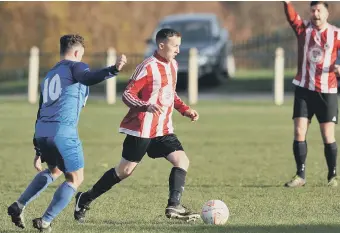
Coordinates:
293	17
82	73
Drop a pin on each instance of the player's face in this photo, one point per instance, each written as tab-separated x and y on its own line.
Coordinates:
319	14
79	52
170	47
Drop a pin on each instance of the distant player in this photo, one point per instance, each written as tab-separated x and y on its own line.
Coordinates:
151	97
64	91
316	86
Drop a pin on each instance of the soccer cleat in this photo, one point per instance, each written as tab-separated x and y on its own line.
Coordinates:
17	215
180	212
80	208
333	182
296	182
38	224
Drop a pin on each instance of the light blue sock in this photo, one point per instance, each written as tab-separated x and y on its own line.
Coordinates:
38	184
60	200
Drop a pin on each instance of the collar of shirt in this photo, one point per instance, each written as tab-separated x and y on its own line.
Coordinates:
160	58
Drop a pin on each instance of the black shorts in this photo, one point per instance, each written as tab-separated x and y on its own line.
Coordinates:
323	105
134	148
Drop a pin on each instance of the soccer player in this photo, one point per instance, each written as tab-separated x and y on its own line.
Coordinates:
64	92
315	86
148	126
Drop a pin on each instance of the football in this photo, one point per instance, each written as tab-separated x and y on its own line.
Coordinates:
215	212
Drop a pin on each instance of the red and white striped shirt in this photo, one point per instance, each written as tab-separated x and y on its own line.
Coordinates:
317	53
153	82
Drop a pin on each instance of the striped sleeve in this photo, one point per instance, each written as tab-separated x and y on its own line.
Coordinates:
179	105
294	19
337	42
136	83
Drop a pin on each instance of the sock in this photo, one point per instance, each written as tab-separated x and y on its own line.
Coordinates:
45	224
176	185
300	155
104	184
331	151
21	206
38	184
61	198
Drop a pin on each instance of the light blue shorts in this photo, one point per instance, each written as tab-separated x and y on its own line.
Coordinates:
64	153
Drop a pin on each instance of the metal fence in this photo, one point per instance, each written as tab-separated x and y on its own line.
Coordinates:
257	53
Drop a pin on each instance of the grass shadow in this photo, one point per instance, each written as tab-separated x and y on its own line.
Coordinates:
200	227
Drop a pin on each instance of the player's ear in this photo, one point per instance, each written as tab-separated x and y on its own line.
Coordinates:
161	45
76	53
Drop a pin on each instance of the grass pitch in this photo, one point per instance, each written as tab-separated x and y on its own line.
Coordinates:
240	152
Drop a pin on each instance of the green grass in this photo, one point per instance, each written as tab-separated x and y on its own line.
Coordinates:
255	81
261	73
240	153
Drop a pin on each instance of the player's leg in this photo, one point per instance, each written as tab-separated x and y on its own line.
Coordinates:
302	115
71	161
171	148
134	149
37	186
327	115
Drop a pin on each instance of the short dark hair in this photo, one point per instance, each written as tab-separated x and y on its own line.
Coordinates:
166	33
313	3
68	41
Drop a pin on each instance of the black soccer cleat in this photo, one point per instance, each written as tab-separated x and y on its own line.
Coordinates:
17	215
80	208
181	212
38	224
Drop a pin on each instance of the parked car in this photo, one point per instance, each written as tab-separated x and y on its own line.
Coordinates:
204	32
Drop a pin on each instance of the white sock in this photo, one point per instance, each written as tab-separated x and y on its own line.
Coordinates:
45	224
21	206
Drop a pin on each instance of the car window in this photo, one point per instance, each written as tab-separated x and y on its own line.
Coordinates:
192	31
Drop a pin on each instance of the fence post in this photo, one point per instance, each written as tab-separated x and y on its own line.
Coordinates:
111	82
33	75
279	76
193	76
231	66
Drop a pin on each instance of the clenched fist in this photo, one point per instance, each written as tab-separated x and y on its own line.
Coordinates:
121	61
192	114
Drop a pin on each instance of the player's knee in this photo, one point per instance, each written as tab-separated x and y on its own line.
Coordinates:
179	159
125	172
76	178
184	162
55	172
327	132
300	133
125	168
328	137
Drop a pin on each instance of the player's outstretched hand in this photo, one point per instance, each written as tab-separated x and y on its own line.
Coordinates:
155	108
121	61
192	114
37	163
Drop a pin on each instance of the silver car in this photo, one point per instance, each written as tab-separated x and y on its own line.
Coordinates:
204	32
